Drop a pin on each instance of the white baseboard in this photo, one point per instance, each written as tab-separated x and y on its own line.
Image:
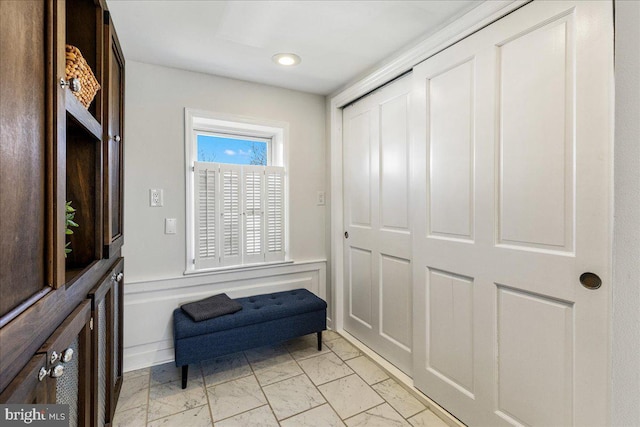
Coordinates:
145	355
148	305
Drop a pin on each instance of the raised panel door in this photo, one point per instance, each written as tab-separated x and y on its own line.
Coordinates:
512	180
377	218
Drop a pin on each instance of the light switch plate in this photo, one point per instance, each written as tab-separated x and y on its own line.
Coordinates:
156	197
320	198
170	226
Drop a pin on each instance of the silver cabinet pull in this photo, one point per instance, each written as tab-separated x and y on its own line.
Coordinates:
119	277
73	84
57	371
116	138
42	373
67	355
54	357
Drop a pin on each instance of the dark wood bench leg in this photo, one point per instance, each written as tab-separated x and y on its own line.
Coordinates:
185	375
320	341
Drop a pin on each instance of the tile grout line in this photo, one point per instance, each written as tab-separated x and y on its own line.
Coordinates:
206	392
261	389
252	374
344	361
315	386
371	385
146	413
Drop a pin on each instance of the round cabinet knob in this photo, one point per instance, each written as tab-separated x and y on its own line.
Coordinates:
42	373
73	84
54	357
116	138
67	355
57	371
119	277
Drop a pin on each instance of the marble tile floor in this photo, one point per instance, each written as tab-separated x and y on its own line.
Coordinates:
288	385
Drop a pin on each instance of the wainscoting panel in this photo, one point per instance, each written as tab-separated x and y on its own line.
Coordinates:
148	305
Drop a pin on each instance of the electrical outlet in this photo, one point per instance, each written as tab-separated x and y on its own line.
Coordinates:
320	198
156	197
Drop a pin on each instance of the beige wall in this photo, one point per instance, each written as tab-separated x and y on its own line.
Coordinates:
625	406
154	157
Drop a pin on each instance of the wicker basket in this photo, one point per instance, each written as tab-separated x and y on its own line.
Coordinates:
77	67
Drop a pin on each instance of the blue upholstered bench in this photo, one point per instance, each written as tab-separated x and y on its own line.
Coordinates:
264	319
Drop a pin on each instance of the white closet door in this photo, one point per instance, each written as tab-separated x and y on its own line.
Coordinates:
512	173
376	200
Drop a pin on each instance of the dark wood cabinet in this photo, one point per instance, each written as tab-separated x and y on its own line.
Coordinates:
113	136
53	149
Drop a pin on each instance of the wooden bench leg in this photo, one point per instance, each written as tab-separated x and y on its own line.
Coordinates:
185	375
320	341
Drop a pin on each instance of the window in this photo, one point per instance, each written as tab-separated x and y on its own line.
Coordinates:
236	191
232	149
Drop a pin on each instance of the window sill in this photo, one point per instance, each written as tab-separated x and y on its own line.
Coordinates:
232	268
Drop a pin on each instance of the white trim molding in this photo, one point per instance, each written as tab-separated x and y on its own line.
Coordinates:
474	20
149	305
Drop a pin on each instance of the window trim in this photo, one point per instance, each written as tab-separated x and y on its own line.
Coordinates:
211	122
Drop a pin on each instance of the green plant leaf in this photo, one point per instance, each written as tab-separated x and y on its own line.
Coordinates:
70	214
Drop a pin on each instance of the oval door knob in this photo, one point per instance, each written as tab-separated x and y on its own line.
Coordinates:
590	280
346	234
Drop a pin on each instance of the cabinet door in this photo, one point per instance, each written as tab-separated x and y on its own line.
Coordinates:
106	303
59	372
24	111
117	334
27	387
114	139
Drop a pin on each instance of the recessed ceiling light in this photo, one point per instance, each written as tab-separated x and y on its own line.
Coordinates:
286	59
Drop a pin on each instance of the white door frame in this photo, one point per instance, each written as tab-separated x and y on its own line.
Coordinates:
476	19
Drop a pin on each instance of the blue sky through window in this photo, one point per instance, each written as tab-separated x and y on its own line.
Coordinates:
231	150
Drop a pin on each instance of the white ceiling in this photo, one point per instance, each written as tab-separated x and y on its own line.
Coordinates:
337	40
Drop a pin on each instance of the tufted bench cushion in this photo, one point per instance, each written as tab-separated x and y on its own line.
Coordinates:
264	319
255	309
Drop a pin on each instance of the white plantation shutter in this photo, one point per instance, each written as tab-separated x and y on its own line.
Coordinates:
206	215
230	237
253	178
239	214
274	213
